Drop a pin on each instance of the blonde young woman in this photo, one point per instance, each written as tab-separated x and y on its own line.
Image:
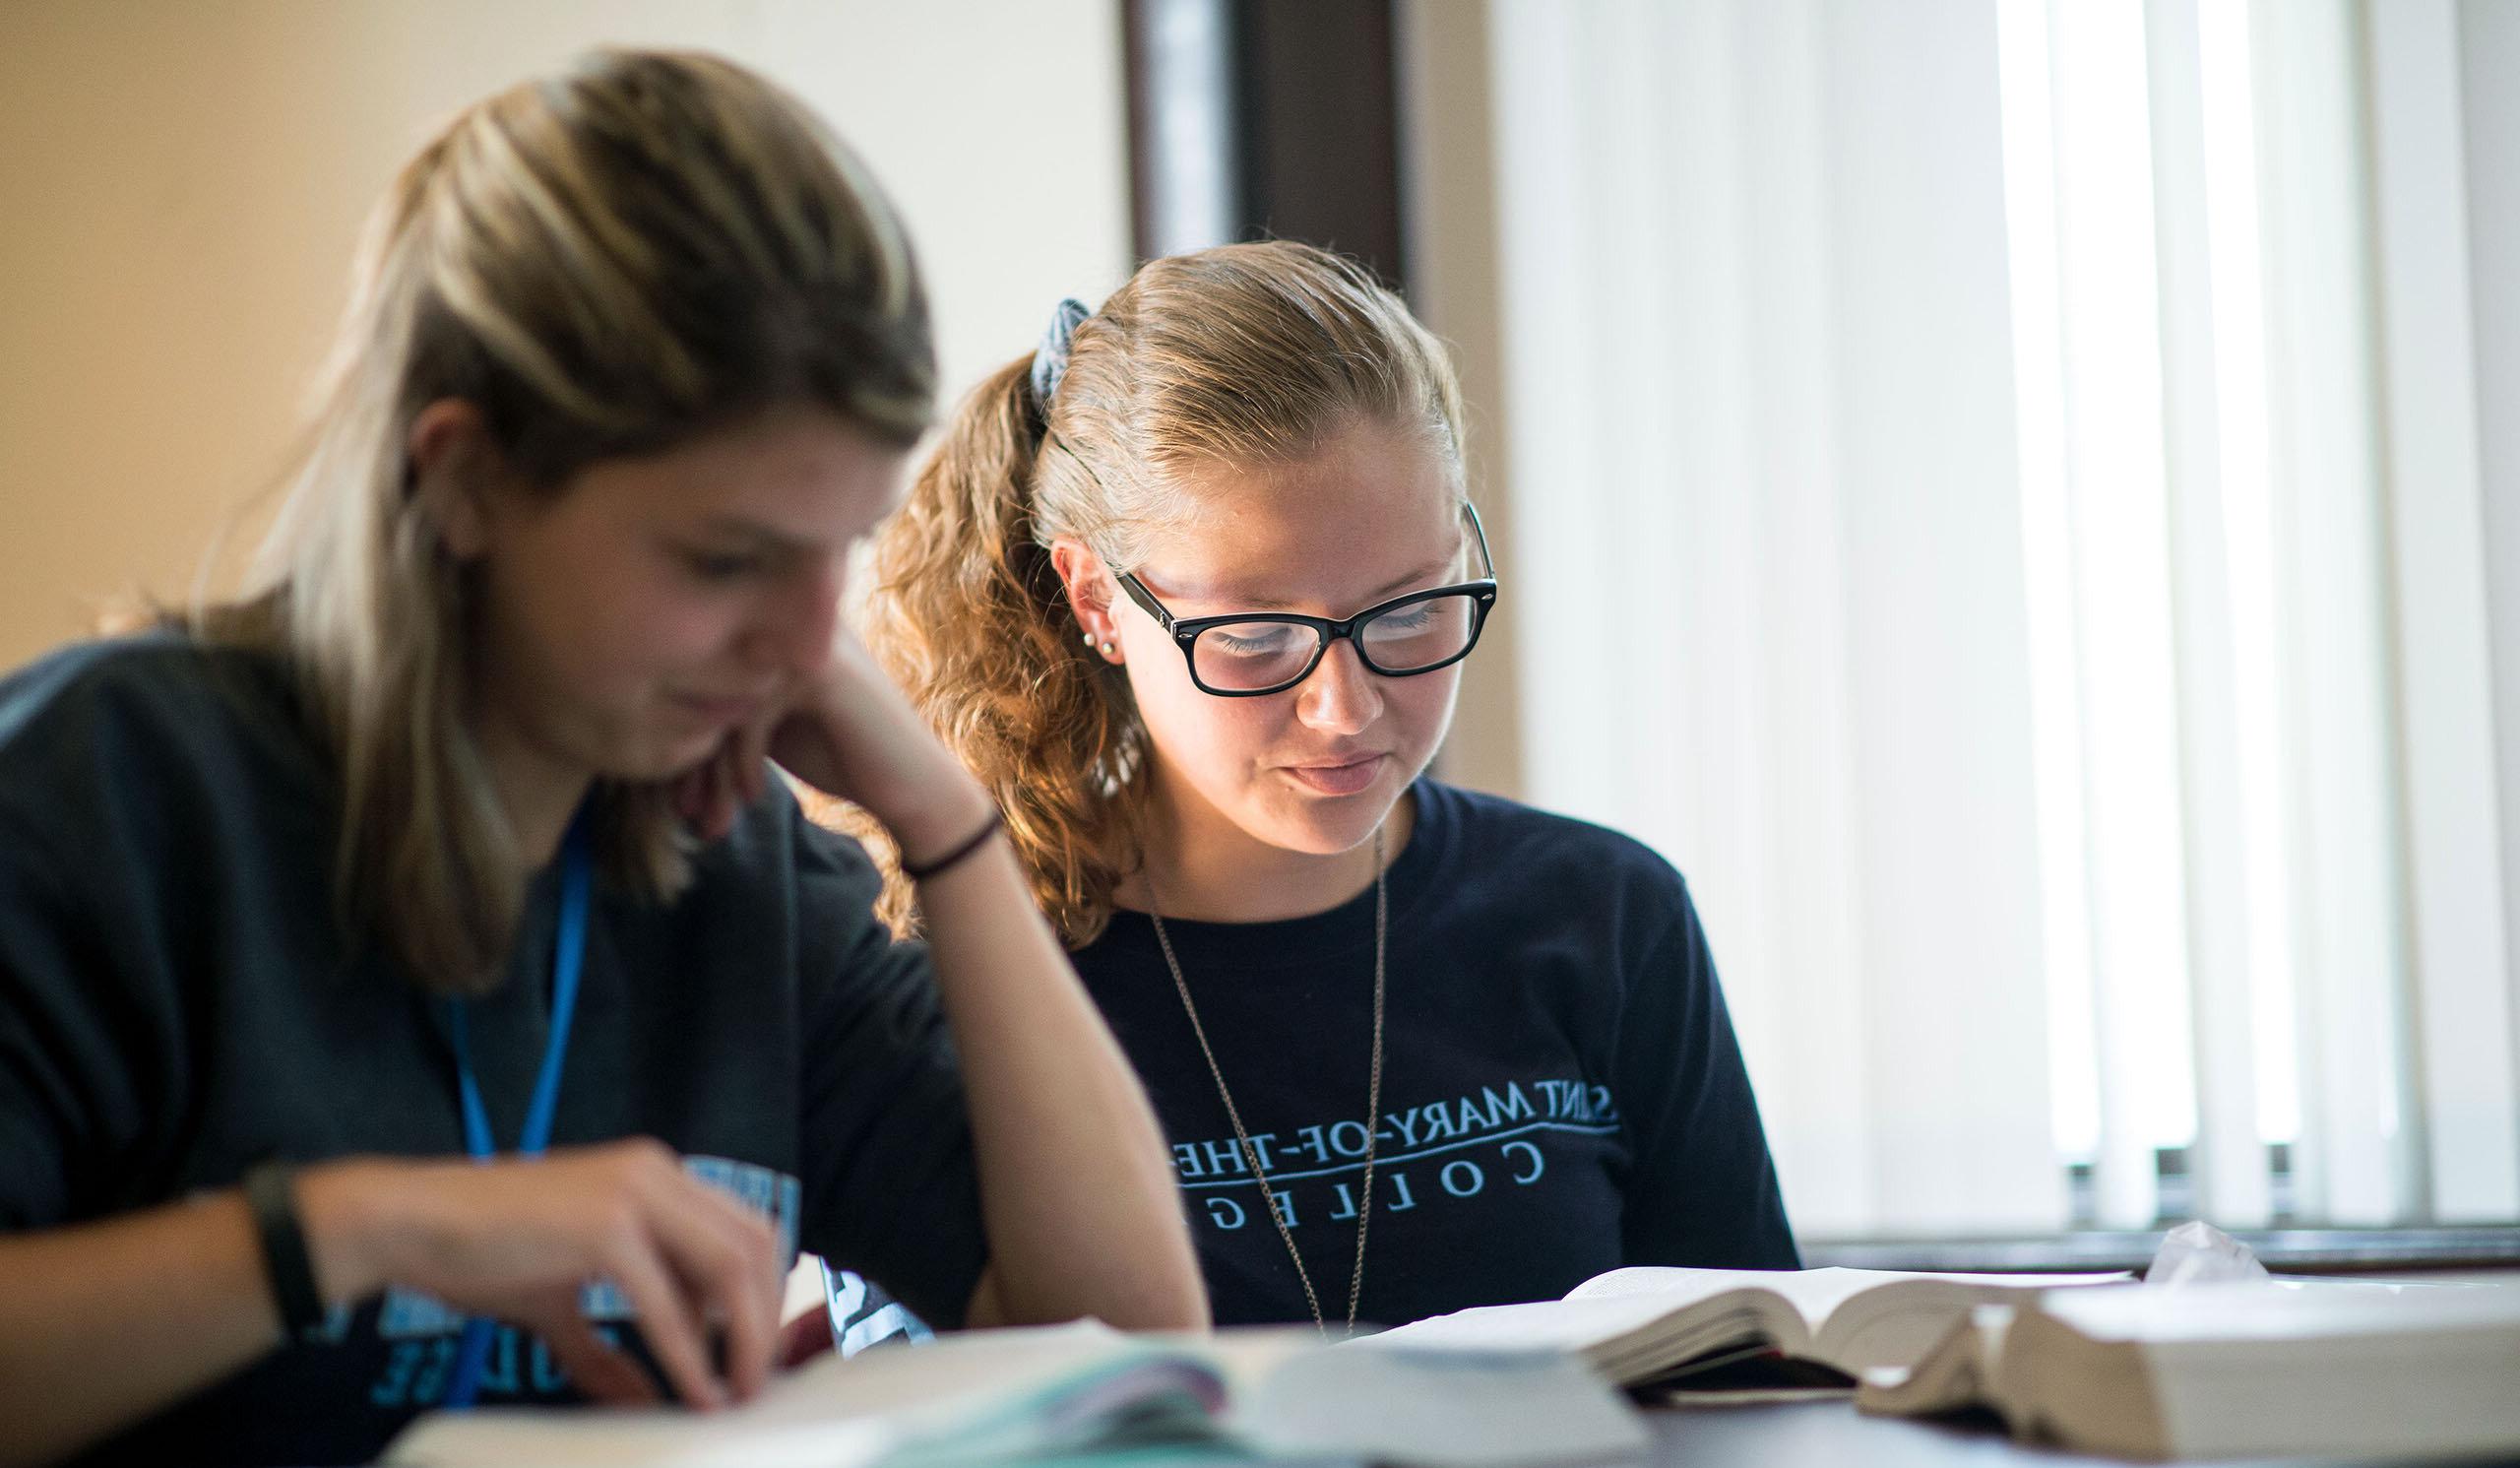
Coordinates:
1189	588
412	990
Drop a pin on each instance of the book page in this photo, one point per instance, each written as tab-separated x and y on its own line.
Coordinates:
1816	1293
2327	1368
832	1413
1958	1371
1812	1292
633	1437
2259	1369
1070	1392
2287	1309
1568	1324
1895	1322
1449	1406
1631	1339
896	1378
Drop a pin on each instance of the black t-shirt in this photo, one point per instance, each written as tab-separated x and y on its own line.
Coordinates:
1562	1093
176	1003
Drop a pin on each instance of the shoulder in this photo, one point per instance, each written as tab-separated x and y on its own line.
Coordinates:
154	686
161	713
1486	838
146	784
1508	879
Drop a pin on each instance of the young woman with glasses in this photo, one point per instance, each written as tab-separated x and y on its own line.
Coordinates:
413	990
1189	589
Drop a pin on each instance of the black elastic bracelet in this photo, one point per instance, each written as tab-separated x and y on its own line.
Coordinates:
271	1191
978	839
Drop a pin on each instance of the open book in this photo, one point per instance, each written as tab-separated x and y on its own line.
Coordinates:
2256	1369
1648	1326
1075	1390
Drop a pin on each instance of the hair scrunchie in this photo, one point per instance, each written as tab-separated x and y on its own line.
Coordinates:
1049	359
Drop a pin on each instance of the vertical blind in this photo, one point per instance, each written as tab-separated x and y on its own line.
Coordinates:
1998	502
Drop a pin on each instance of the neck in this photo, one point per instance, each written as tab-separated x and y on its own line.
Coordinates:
1208	869
539	793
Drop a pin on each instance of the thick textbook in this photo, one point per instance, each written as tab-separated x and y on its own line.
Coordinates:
2247	1368
1647	1326
1073	1391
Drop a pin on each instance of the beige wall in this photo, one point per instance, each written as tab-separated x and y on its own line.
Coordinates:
180	187
1449	169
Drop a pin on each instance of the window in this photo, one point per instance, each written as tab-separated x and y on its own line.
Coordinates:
2044	440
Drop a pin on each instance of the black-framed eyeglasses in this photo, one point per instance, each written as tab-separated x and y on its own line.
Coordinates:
1250	654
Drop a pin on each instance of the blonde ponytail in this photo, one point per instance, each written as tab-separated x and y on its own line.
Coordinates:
1243	357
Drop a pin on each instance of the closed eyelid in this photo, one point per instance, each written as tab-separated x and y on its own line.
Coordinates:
736	535
750	557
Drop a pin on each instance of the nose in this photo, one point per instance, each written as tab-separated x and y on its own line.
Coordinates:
1342	696
792	627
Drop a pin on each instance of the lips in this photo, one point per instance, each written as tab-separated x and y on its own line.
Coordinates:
1346	778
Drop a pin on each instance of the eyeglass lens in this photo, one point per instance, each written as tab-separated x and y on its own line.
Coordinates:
1244	655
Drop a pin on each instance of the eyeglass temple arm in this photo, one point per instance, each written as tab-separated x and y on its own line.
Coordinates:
1145	600
1481	533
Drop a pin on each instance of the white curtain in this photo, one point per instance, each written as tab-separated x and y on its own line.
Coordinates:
1997	499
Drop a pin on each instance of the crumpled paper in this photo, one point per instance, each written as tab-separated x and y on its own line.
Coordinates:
2198	1253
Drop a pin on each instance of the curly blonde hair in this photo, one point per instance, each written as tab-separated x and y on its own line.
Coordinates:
1242	357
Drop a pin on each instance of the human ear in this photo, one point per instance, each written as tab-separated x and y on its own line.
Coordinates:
453	462
1089	588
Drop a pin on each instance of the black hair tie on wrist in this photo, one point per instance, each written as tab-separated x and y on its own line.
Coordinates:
271	1192
977	840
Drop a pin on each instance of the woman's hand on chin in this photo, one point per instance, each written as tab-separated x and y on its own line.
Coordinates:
713	792
849	734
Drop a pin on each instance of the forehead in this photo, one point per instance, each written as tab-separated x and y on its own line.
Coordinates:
1371	505
802	473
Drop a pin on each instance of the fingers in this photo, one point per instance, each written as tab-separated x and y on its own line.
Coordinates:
726	1260
711	795
595	1366
518	1240
703	795
666	1319
686	1256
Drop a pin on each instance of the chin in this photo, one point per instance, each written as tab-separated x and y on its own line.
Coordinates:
1324	826
659	757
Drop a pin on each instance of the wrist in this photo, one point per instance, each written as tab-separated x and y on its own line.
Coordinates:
938	825
921	870
346	1241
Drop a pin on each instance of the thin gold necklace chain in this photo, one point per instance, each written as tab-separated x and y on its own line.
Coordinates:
1373	1099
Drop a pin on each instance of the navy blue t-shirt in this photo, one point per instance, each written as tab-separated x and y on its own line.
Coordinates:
178	1000
1562	1093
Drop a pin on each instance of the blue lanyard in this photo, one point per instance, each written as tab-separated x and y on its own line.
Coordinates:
577	881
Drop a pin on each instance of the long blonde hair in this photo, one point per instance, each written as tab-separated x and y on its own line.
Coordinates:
639	250
1242	357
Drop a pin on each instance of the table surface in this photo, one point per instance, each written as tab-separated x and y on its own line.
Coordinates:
1832	1435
